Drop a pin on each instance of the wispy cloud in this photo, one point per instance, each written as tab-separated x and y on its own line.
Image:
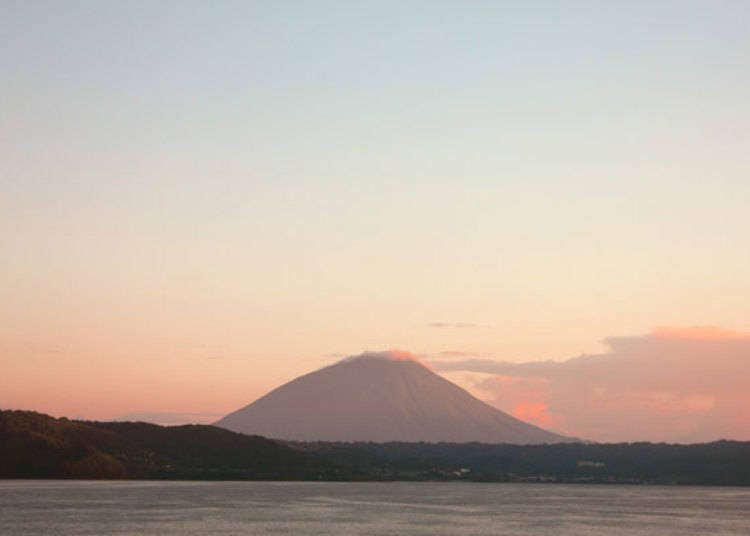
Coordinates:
451	354
458	325
673	384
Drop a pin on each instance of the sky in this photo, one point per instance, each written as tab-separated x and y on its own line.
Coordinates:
200	201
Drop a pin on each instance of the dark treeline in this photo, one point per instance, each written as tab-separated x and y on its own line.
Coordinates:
33	445
717	463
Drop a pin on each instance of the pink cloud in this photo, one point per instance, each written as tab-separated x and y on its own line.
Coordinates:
534	412
680	385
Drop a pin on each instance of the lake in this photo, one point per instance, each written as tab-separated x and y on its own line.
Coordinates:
302	508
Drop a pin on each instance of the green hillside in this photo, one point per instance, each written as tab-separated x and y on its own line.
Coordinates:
33	445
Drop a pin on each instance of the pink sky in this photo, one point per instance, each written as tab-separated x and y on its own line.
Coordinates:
197	205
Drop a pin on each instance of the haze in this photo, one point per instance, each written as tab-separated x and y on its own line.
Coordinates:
199	202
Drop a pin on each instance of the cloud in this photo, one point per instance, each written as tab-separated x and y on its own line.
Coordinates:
533	412
674	384
459	325
392	355
459	353
490	366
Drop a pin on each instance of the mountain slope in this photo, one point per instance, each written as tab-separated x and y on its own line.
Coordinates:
33	445
380	397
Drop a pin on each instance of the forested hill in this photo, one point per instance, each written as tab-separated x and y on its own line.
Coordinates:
717	463
33	445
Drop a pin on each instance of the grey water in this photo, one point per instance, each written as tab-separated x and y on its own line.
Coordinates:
185	508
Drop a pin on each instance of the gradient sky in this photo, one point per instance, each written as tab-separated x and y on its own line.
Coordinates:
199	201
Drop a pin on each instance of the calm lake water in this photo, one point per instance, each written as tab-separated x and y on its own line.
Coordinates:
166	508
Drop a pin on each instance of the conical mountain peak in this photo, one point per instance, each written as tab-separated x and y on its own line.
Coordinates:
380	396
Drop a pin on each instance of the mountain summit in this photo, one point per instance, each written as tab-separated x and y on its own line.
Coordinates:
384	396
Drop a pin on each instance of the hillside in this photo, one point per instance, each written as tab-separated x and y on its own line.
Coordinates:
717	463
33	445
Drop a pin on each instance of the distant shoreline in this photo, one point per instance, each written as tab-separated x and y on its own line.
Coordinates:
34	446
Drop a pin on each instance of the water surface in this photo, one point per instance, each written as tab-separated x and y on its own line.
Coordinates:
187	508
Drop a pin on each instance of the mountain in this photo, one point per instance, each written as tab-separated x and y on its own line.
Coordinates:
385	396
33	445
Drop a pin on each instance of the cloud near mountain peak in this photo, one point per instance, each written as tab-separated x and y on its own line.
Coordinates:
673	384
390	355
